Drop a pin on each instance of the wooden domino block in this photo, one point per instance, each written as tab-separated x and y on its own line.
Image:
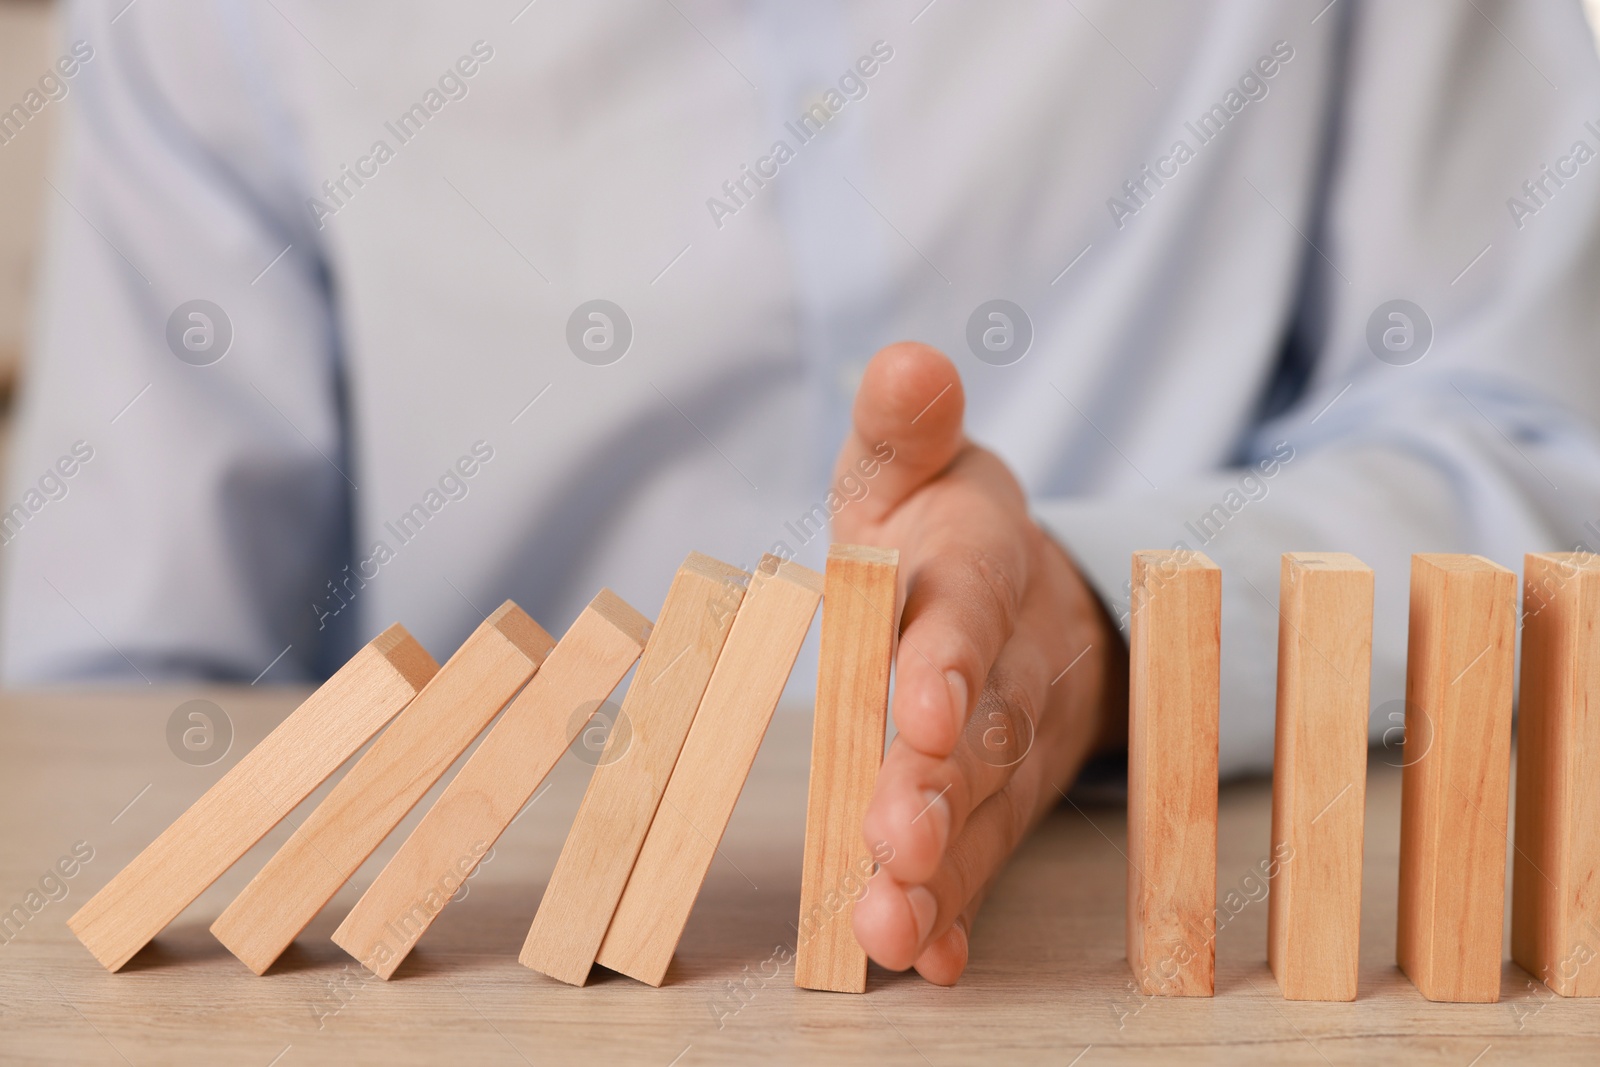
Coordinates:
245	803
1319	774
852	710
711	770
1455	786
1174	650
626	787
1555	879
486	794
494	662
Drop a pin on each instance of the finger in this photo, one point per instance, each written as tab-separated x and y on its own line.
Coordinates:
920	806
1065	732
1026	734
965	575
923	807
906	427
921	802
891	921
945	958
898	924
976	857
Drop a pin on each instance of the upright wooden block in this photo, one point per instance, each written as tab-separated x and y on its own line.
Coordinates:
626	787
249	800
485	796
1319	774
711	770
494	662
852	711
1555	875
1454	789
1174	650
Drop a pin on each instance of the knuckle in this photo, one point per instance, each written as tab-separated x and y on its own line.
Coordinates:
1002	727
1008	693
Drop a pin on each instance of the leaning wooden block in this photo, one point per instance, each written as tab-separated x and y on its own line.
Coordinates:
1456	782
711	769
852	710
1174	650
626	787
486	794
1319	774
494	662
1555	877
249	800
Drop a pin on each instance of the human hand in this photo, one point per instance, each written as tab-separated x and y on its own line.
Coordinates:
990	722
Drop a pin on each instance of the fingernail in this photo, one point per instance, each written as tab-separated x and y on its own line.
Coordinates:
958	693
924	909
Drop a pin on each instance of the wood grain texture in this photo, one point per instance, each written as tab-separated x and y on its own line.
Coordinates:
336	720
494	662
486	794
1459	665
627	785
858	641
711	769
1174	663
1555	879
1046	979
1319	774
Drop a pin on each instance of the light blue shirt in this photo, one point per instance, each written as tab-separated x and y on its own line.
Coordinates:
1200	215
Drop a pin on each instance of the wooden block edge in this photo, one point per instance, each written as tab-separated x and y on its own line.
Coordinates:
518	627
406	655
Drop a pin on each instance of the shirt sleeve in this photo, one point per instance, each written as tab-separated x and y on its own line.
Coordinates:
1463	181
179	492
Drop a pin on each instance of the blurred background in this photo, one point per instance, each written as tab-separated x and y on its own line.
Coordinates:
26	33
27	46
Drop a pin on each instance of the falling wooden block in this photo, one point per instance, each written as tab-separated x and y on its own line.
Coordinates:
1555	876
494	662
852	710
1455	785
1319	774
245	803
499	778
711	770
1174	649
626	787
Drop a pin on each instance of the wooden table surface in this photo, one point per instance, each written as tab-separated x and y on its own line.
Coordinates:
1048	982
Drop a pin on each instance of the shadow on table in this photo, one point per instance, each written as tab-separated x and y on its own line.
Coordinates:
180	945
